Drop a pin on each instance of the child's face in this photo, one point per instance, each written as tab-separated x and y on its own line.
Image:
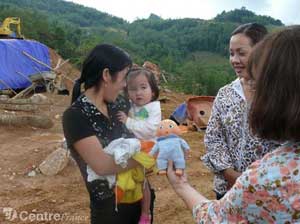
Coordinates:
139	90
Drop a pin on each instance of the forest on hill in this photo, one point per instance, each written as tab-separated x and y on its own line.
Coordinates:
192	52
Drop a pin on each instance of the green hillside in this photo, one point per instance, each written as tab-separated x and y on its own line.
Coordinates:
193	52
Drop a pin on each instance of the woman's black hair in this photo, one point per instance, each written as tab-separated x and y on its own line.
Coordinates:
101	57
254	31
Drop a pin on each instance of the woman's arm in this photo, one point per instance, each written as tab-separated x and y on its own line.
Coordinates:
81	136
227	210
256	197
91	151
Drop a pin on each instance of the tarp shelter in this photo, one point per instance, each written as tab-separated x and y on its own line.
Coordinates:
14	64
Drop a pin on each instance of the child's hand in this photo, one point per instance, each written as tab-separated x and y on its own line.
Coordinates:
122	117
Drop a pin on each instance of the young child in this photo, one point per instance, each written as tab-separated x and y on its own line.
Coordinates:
143	118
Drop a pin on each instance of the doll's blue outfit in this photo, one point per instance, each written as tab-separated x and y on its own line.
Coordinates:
170	147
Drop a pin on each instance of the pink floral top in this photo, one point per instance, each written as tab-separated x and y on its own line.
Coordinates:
267	192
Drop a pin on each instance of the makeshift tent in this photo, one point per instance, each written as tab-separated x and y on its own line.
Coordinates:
16	65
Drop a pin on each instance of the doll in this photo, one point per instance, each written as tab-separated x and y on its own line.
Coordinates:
170	146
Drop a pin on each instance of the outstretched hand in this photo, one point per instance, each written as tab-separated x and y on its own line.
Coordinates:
122	117
181	186
177	182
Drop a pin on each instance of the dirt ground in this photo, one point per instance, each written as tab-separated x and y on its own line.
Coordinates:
63	198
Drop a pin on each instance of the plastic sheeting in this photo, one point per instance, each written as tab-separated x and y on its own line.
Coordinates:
14	64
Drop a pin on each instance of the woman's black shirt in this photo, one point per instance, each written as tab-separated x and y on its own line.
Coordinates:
82	119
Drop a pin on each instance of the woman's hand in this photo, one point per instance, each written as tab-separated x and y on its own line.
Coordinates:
231	175
177	182
182	188
122	117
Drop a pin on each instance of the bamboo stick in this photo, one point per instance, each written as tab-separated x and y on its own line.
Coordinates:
7	86
36	60
42	63
24	76
26	91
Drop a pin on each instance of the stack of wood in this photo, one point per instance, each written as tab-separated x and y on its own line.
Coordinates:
21	112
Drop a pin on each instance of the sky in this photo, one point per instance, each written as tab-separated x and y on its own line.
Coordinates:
288	11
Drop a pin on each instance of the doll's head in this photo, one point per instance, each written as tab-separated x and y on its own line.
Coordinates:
167	127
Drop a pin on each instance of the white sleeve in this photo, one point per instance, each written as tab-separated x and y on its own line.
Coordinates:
146	129
123	149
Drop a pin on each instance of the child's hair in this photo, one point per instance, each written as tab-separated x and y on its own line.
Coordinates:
135	71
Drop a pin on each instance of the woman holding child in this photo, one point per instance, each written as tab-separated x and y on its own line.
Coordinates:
92	122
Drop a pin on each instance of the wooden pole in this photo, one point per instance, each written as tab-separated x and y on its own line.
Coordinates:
24	92
34	121
60	65
57	64
42	63
164	78
18	107
24	76
7	86
23	102
36	60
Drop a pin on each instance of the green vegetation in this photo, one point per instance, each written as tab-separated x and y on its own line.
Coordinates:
244	16
192	52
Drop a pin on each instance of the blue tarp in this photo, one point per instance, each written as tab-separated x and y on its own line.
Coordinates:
13	60
180	113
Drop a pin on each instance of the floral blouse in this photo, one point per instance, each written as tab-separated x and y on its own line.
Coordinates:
267	192
228	141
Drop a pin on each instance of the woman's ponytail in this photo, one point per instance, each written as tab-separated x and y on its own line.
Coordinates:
76	90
